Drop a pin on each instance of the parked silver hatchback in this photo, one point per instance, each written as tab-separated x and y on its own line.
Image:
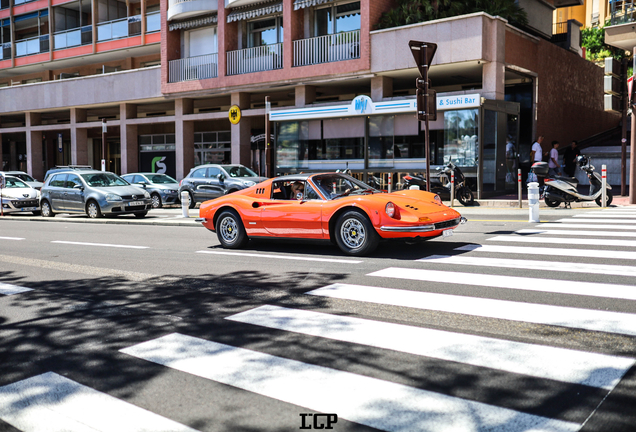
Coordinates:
95	193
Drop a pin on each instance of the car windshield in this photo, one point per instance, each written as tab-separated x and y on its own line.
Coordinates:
335	186
13	182
104	180
24	177
160	178
239	171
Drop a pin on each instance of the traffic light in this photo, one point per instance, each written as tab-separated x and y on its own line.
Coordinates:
612	86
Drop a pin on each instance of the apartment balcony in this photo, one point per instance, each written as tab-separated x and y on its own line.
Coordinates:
327	49
623	11
620	33
257	59
117	29
73	37
179	9
193	68
6	51
567	35
34	45
153	22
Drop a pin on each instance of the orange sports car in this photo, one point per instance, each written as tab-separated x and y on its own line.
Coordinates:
330	206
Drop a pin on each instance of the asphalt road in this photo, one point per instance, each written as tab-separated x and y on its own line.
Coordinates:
146	327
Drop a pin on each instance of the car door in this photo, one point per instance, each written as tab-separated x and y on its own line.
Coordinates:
214	185
286	217
73	197
56	192
197	179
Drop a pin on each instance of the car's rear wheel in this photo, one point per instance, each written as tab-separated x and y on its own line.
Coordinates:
92	210
230	230
46	210
355	235
156	200
193	203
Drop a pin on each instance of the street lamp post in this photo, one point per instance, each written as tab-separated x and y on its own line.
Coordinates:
104	127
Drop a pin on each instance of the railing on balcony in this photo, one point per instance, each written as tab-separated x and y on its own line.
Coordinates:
326	49
257	59
118	29
6	50
34	45
153	22
193	68
623	11
73	37
19	2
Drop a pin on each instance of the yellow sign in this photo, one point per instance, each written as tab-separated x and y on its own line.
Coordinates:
234	114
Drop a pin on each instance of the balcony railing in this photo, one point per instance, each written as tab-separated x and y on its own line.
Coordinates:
257	59
6	51
193	68
326	49
153	22
73	37
117	29
34	45
622	11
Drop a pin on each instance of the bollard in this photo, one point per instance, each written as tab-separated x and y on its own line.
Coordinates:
452	188
185	204
603	185
414	187
533	201
390	180
520	187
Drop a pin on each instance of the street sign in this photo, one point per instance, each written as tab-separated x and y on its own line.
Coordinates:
416	50
431	109
59	143
234	114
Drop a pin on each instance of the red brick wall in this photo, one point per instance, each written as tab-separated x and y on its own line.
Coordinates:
570	90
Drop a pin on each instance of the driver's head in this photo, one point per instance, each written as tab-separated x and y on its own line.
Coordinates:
296	187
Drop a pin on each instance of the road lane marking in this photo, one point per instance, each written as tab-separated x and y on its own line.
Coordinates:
587	319
53	403
281	257
558	266
591	289
589	253
560	364
605	215
583	225
564	241
100	244
579	232
369	401
11	238
9	289
76	268
629	222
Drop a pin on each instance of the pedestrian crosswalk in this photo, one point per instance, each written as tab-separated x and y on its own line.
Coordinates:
53	402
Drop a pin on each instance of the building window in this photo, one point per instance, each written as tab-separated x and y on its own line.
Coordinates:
337	19
212	147
201	41
265	32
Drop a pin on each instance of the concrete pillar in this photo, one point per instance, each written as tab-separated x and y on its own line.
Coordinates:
241	132
184	137
494	64
305	95
35	167
1	154
493	81
13	156
128	139
79	138
381	87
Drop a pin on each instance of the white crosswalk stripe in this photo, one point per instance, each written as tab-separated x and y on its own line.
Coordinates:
606	216
549	251
369	401
578	232
53	403
614	222
9	289
563	240
619	227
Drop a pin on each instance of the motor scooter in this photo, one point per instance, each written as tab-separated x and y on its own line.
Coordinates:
443	184
559	189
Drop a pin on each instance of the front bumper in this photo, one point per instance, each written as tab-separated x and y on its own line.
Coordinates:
20	205
124	207
424	228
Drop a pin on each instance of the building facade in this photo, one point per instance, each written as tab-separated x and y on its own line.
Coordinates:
335	92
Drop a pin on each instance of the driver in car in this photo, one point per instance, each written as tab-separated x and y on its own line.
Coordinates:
296	188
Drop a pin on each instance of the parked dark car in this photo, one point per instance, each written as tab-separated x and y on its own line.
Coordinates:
206	182
60	168
163	188
92	192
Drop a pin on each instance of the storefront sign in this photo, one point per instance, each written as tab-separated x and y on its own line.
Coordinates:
457	102
234	114
160	162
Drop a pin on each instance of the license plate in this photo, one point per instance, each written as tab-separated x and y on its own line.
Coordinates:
136	203
28	209
447	233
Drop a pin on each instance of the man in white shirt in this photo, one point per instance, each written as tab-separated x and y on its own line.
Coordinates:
554	169
536	153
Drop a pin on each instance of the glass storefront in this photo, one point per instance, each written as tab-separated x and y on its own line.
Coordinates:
212	147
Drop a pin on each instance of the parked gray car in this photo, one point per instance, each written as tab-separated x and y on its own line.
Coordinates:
92	192
18	197
25	178
206	182
163	188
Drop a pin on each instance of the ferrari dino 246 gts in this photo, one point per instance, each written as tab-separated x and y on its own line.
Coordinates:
329	206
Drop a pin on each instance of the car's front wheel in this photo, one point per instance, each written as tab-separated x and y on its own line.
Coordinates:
355	235
156	200
92	210
46	210
193	203
230	230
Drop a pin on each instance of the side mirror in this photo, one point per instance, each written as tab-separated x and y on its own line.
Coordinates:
299	196
80	187
142	184
221	177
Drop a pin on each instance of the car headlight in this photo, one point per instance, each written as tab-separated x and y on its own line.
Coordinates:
146	194
438	199
112	197
171	191
390	209
249	183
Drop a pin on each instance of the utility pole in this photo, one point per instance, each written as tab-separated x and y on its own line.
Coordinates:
268	162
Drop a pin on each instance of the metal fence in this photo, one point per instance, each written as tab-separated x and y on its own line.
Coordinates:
326	49
73	37
34	45
117	29
257	59
193	68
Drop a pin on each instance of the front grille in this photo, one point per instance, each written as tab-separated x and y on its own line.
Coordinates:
135	208
29	203
447	224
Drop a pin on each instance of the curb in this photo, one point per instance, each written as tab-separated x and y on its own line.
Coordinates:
190	223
